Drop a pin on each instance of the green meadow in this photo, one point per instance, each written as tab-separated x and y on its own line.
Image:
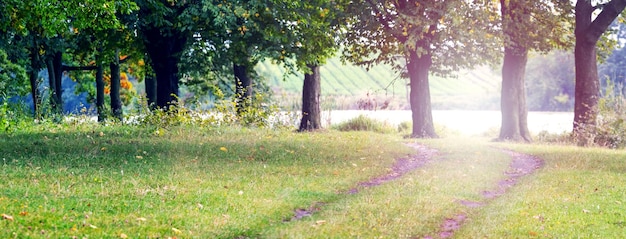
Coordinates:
117	181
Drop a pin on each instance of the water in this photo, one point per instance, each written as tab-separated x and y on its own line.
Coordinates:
464	121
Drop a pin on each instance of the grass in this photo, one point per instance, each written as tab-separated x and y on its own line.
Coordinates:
105	182
61	181
578	194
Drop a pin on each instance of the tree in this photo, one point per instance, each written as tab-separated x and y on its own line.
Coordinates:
420	38
165	28
588	31
526	25
42	26
316	29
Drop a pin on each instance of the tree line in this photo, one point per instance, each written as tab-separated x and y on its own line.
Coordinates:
206	40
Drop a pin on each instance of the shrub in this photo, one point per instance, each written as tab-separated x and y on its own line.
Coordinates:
364	123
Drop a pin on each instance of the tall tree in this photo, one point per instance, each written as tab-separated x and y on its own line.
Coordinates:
588	32
318	32
166	27
526	25
420	38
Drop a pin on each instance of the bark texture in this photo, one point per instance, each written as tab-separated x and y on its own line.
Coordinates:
421	110
100	91
116	101
513	96
311	91
55	102
33	77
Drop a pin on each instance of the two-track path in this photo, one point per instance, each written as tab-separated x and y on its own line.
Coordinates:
521	165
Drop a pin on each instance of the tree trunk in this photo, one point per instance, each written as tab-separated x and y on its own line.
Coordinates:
311	90
33	76
57	107
513	96
151	91
418	68
164	52
243	87
587	83
100	90
58	74
513	93
116	101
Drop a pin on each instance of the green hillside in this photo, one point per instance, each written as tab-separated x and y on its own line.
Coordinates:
344	86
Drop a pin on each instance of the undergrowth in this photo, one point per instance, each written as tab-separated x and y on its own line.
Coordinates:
364	123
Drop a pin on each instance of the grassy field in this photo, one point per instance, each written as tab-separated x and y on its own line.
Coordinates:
343	85
90	181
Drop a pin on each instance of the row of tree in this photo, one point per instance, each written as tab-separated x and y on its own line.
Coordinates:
205	39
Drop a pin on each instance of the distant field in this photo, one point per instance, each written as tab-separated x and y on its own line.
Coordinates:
344	85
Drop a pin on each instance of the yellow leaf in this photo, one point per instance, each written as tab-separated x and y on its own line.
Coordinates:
224	149
122	235
139	157
92	226
7	217
143	219
175	230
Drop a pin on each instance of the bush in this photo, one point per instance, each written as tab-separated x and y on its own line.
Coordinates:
363	123
610	128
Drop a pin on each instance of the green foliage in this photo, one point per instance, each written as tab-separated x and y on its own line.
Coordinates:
456	34
13	79
258	112
364	123
550	81
13	117
611	129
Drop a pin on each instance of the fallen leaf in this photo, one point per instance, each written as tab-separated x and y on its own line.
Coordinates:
92	226
7	217
143	219
224	149
101	134
139	157
240	192
23	213
122	235
320	222
175	230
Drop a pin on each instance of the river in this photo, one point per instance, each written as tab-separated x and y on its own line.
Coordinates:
464	121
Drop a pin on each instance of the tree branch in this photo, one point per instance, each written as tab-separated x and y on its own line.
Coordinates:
385	21
609	12
89	68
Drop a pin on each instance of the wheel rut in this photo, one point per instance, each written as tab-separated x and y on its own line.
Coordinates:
521	165
401	167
